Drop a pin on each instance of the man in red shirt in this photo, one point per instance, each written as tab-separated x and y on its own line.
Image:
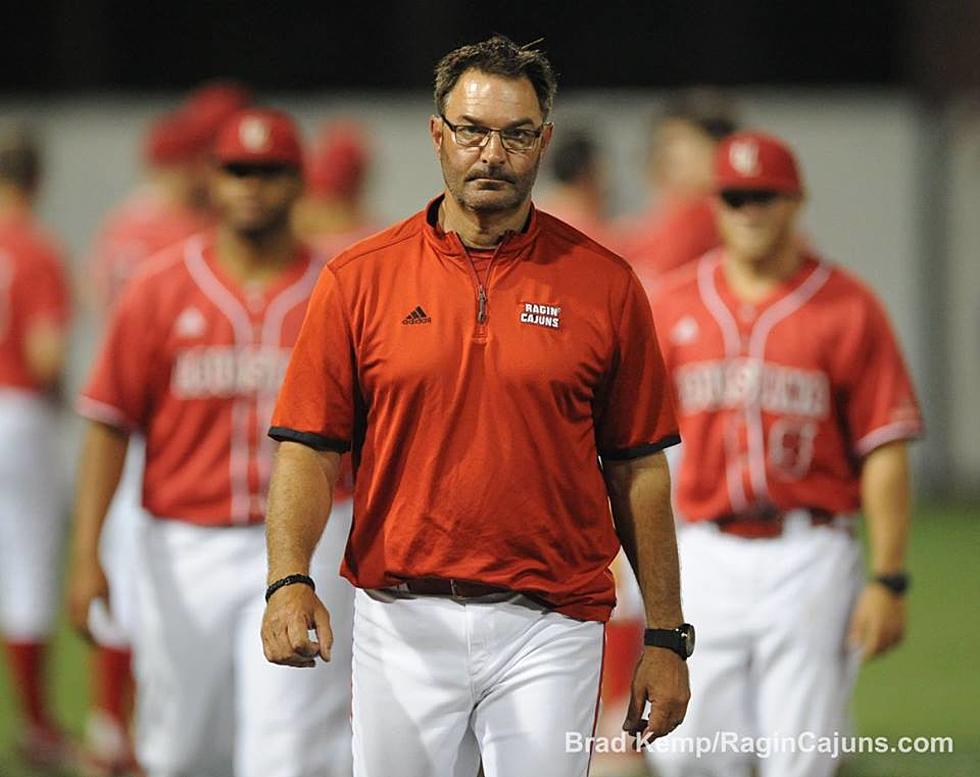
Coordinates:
192	360
480	358
796	407
34	311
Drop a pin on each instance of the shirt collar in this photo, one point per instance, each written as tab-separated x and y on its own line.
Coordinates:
449	243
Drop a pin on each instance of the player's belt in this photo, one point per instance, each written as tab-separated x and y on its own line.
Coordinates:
767	525
457	589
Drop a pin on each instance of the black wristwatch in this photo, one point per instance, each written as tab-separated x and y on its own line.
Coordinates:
897	583
680	640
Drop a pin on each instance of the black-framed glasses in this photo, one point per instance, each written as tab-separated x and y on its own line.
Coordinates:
518	139
737	198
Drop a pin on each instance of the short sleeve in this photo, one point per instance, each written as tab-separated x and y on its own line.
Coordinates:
316	402
118	390
881	403
634	416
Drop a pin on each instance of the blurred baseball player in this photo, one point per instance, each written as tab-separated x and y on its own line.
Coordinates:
192	360
680	226
579	195
795	406
333	213
479	358
169	206
34	302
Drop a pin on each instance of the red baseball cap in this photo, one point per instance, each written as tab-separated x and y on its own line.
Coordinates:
259	136
170	141
339	160
755	160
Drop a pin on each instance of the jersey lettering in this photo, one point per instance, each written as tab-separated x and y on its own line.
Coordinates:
738	383
228	371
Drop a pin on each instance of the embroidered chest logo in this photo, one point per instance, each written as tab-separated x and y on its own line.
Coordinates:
548	316
191	323
685	331
417	316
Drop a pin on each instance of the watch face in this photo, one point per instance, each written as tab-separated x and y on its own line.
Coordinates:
687	637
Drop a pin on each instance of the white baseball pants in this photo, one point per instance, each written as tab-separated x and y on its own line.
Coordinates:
208	702
33	516
771	658
119	551
438	683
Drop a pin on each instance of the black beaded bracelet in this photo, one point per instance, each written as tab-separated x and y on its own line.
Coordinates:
289	580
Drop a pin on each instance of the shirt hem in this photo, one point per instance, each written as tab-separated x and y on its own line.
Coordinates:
310	439
646	449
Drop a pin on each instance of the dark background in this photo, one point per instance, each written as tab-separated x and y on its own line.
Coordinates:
57	46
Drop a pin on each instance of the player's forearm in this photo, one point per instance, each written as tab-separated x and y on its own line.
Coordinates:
300	497
885	500
100	467
45	349
639	491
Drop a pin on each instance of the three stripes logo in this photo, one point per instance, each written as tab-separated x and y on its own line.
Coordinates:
417	316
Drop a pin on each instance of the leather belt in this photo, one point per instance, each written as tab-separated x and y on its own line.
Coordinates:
768	525
456	589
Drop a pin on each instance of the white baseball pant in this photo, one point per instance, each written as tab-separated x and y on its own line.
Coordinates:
208	702
771	658
119	551
33	516
438	683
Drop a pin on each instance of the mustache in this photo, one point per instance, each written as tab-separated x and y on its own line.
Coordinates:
496	175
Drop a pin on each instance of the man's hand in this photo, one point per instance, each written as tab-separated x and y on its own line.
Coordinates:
86	583
878	622
291	612
661	679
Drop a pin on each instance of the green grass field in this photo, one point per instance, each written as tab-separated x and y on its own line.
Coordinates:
928	687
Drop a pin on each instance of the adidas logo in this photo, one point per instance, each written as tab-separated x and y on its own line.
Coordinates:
417	316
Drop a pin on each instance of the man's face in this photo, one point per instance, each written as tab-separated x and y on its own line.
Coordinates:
683	159
490	178
754	224
255	199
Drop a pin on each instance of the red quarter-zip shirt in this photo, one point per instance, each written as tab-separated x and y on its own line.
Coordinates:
478	408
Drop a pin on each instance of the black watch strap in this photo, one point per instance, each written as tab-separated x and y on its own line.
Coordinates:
289	580
897	583
680	640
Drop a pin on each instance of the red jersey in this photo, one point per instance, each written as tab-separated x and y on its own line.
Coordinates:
142	226
477	409
194	361
33	290
780	401
669	237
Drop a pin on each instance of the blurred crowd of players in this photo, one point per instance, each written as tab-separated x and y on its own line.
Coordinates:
171	203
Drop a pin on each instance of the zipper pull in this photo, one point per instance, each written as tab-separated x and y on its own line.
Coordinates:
481	313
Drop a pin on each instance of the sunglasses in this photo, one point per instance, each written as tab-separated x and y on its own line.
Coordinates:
247	170
737	198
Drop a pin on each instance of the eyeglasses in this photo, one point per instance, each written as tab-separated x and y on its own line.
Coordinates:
737	198
519	140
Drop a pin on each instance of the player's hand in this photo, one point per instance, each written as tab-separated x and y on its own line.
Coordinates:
86	583
660	678
878	621
291	613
